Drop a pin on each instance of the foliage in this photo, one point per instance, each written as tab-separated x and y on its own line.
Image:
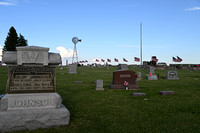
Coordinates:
12	40
116	111
22	41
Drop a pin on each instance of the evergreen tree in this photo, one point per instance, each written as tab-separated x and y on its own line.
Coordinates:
22	41
11	41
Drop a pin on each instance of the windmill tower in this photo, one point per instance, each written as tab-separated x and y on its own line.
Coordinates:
75	40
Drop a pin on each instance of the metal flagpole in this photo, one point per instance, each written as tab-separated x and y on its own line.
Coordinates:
141	43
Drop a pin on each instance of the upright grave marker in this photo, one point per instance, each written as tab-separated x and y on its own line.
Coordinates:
122	67
172	75
119	77
31	89
99	85
72	69
152	75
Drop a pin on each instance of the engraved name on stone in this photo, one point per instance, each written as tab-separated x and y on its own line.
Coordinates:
172	74
27	103
125	76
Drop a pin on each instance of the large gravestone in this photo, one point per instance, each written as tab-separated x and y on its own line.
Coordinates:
122	67
72	69
119	77
31	101
172	75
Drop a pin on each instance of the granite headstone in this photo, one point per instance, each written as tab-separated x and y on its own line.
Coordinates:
31	101
172	75
72	69
119	77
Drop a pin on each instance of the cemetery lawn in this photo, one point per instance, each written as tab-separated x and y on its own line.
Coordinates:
117	111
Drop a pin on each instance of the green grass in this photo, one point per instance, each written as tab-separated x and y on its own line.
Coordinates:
117	111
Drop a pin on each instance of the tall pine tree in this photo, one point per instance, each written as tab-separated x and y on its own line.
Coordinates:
11	41
22	41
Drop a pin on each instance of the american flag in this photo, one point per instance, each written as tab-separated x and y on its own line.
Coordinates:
125	60
97	60
137	59
116	60
154	59
174	59
108	60
178	59
102	60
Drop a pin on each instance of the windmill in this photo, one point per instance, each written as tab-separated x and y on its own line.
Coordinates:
75	40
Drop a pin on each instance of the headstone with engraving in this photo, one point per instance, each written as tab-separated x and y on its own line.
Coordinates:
72	69
172	75
99	85
119	77
122	67
31	91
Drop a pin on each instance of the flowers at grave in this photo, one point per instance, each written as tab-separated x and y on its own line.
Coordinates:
150	74
125	83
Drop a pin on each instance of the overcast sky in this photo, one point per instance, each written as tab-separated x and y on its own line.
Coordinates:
108	28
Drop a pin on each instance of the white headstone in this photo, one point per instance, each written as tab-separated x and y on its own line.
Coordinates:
99	85
72	69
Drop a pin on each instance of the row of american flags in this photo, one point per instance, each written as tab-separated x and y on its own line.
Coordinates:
116	60
109	60
178	59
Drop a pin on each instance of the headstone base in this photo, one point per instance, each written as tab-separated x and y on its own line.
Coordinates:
15	120
152	77
174	78
100	89
130	87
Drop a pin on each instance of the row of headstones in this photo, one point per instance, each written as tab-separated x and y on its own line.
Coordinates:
171	75
73	68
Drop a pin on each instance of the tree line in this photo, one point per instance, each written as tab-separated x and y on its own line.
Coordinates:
13	40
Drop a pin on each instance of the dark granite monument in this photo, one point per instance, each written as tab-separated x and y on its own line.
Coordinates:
119	77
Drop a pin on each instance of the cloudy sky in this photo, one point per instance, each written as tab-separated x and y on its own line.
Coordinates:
108	28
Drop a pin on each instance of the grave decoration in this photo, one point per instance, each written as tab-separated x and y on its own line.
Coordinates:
126	85
119	78
139	76
31	91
